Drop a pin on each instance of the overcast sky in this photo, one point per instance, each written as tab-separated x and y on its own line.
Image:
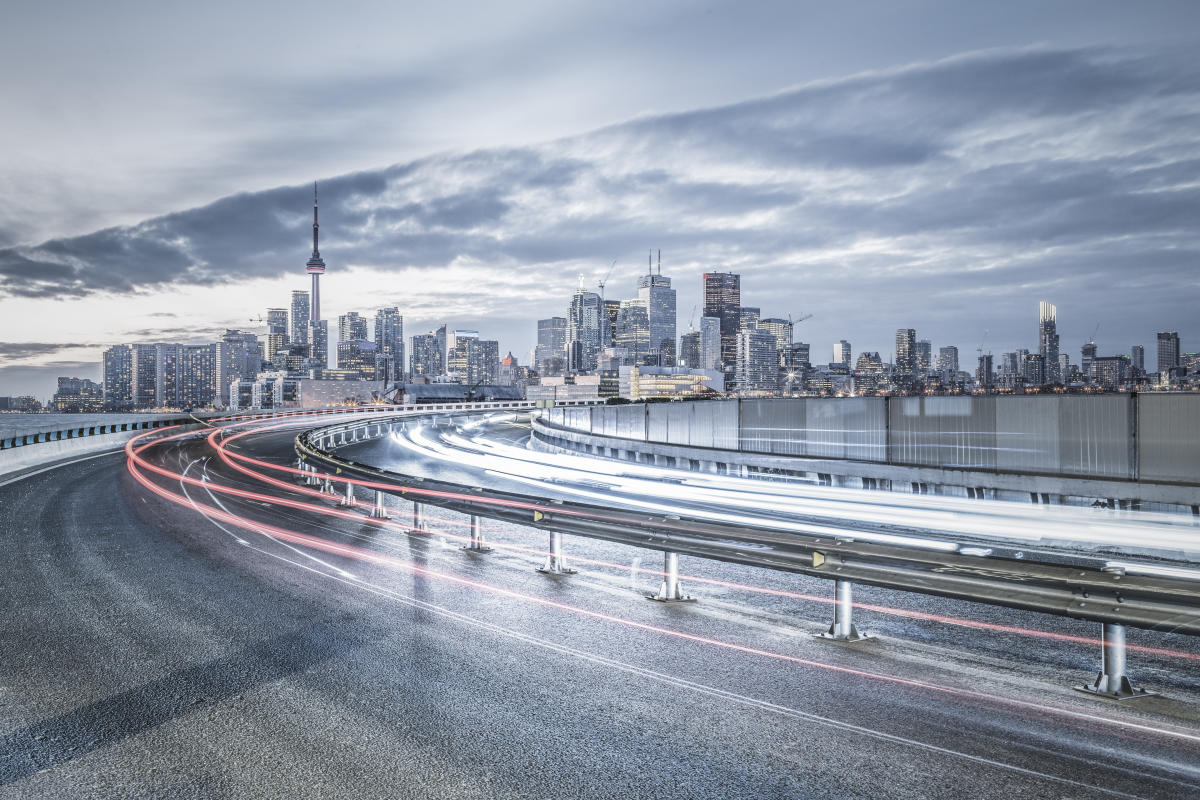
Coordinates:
942	166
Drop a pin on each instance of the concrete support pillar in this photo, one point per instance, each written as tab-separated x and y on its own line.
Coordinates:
1112	682
327	487
380	509
418	518
349	500
555	563
312	479
477	545
842	629
670	591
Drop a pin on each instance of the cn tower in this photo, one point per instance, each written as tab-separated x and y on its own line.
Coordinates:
315	266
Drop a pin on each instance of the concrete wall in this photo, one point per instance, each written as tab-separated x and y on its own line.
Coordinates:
35	447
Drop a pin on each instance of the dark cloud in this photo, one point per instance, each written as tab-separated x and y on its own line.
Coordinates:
21	350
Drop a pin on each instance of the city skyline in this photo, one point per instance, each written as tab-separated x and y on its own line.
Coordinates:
949	211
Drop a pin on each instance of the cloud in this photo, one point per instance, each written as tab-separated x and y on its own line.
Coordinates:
1007	172
15	351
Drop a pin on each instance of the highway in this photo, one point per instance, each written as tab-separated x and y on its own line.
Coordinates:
185	629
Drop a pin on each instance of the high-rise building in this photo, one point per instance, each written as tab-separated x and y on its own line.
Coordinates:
144	369
197	375
781	329
757	362
1033	369
1137	360
583	331
315	265
1064	367
117	378
710	343
983	373
475	361
1168	351
608	321
550	355
924	356
318	337
389	344
748	317
301	316
1088	353
723	300
426	359
689	351
906	355
947	361
1110	372
78	396
842	353
166	377
633	331
1048	341
277	322
440	333
656	294
352	326
358	356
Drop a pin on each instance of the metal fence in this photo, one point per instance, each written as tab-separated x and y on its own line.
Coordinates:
1124	436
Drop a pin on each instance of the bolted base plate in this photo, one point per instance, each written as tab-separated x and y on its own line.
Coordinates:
1124	690
563	571
681	599
854	636
469	549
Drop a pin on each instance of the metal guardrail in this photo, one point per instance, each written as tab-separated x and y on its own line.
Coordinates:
85	431
1110	597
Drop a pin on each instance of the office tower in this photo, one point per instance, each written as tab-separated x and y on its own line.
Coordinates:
197	375
924	357
166	376
300	317
906	355
549	356
277	322
315	266
1085	364
583	331
781	329
1168	351
723	300
318	336
117	378
842	353
352	326
144	369
748	317
947	361
389	344
710	343
358	355
1137	359
983	373
440	333
1033	369
1064	367
426	358
475	361
658	298
689	351
757	370
1048	341
608	322
244	353
633	330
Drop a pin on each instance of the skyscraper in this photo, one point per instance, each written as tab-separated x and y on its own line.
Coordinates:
315	265
781	329
723	300
389	343
710	343
197	375
358	355
1048	341
426	359
1168	351
117	378
301	316
906	355
656	294
633	330
924	356
318	336
947	361
1137	359
476	361
842	353
748	317
757	362
689	350
144	372
277	322
166	376
983	373
583	330
352	326
1088	353
550	353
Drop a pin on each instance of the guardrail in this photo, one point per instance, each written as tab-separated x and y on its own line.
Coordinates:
1107	596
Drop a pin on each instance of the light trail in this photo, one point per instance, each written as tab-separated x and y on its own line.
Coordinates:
135	462
220	445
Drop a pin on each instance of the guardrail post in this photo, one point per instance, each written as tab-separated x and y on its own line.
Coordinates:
1112	682
349	501
418	518
312	479
843	629
327	487
555	563
477	544
671	591
380	510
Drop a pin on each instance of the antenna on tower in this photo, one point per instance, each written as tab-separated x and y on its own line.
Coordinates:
660	262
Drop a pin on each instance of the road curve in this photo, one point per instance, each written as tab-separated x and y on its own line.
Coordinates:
264	643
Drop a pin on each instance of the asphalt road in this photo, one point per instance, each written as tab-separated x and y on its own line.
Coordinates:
149	651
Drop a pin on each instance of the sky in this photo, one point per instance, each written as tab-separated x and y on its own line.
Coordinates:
941	166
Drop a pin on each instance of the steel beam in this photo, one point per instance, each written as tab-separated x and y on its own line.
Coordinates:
1112	682
555	563
843	629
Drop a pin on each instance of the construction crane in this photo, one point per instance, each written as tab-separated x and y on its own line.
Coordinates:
798	319
601	283
979	350
259	320
692	319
